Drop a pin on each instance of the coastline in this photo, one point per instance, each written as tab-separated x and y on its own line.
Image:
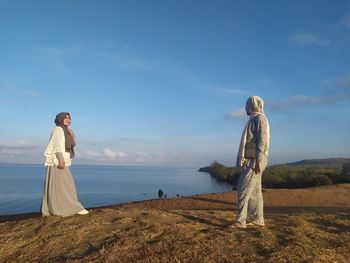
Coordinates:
289	197
189	229
22	187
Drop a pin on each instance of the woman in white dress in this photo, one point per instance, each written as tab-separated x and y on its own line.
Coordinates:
252	157
60	195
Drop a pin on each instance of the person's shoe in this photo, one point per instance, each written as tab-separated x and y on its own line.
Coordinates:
83	212
237	225
255	224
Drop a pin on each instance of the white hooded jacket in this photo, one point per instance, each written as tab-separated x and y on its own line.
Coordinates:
257	130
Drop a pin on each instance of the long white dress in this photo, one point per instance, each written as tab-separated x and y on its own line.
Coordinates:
60	195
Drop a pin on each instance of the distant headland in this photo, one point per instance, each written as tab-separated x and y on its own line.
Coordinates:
301	174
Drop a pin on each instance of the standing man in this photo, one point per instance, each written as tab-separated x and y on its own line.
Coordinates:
252	157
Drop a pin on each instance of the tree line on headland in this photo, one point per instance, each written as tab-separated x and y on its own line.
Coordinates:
306	173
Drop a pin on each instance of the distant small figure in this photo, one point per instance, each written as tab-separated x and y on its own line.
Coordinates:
177	195
160	193
164	196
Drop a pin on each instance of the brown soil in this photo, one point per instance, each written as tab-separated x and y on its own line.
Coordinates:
302	225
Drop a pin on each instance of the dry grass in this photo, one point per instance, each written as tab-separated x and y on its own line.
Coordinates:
303	225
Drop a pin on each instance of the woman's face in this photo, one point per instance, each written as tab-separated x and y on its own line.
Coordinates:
67	120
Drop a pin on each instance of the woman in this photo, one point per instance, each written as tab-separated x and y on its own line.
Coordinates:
252	157
60	196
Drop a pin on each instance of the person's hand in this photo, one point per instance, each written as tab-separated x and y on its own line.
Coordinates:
257	168
61	164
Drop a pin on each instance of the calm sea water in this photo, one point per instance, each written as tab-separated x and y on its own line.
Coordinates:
21	186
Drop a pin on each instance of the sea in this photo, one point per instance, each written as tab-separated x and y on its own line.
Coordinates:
21	185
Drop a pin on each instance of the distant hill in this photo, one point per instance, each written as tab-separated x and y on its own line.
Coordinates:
329	162
305	173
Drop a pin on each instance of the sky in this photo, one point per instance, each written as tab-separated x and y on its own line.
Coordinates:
164	82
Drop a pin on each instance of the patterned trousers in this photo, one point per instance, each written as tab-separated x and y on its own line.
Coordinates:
249	194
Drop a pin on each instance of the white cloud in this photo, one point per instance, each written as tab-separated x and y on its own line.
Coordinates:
107	155
8	88
18	148
57	56
31	93
143	157
104	154
224	90
131	63
158	157
60	56
238	114
308	39
107	152
292	103
266	82
89	154
346	21
143	64
339	82
301	100
4	86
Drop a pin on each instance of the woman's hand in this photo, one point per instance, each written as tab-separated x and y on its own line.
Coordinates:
61	164
257	168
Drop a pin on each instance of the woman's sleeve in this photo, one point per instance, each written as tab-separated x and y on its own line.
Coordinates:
261	137
57	137
60	156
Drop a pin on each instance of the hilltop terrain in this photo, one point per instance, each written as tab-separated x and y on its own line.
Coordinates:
302	225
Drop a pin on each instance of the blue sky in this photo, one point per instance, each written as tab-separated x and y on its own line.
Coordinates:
164	82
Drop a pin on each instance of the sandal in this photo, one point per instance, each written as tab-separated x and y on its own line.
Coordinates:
255	224
237	226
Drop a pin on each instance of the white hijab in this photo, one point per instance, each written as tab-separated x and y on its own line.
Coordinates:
254	106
